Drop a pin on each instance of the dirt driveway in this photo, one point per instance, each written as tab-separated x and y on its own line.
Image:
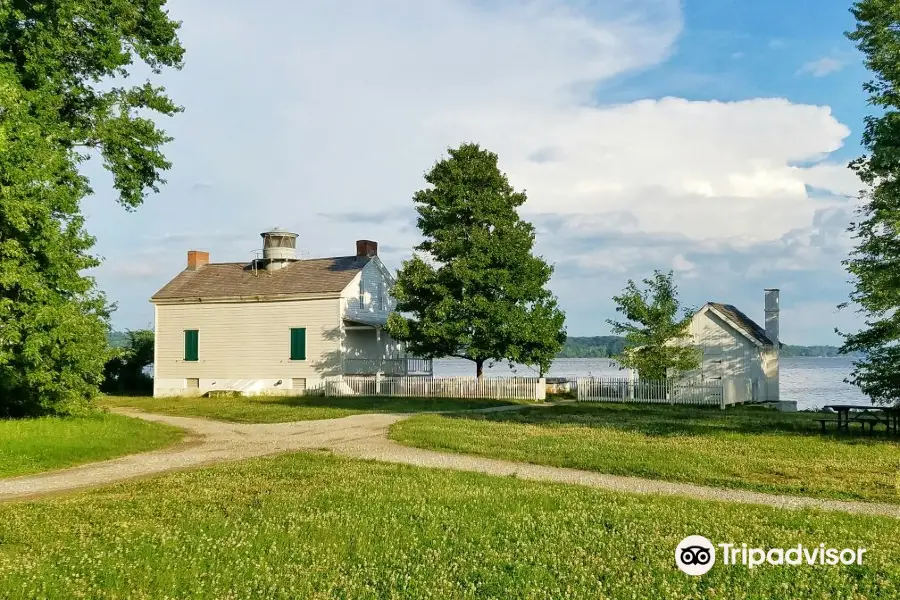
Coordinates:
364	437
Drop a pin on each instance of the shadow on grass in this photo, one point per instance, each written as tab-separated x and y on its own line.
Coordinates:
665	420
286	403
385	403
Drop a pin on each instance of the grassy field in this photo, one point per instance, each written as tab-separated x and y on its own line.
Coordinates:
318	527
752	448
34	445
274	409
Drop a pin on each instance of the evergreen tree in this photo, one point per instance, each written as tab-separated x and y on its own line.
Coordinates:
477	292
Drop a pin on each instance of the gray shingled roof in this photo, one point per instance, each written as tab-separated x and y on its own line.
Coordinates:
222	280
747	325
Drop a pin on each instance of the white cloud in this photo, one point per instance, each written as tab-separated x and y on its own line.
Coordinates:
300	112
822	67
837	178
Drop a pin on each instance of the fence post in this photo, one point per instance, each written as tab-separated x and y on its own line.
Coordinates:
541	389
377	383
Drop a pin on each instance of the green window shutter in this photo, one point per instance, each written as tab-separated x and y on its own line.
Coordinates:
298	343
191	344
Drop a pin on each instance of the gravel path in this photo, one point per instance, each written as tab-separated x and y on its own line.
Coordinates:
365	437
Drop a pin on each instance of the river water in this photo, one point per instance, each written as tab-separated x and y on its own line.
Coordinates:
812	382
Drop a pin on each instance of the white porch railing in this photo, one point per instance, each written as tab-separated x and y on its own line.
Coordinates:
709	392
503	388
388	366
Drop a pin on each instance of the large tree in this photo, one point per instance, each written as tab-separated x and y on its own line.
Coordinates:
874	265
656	329
476	291
60	62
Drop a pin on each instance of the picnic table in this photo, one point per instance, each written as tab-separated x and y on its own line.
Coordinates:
871	415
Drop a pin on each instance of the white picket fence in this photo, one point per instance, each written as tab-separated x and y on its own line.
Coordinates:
501	388
611	389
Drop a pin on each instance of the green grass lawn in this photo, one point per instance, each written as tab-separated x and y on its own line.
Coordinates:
318	527
275	409
34	445
746	447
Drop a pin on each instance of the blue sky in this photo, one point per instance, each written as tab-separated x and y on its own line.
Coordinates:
734	49
708	137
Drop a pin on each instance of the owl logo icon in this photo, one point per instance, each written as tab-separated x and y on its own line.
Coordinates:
695	555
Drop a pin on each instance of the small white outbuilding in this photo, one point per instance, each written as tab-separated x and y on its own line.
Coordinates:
735	347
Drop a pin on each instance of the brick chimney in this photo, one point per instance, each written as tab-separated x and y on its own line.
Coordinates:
365	248
197	259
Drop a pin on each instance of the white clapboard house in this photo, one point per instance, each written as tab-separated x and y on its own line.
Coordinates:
277	324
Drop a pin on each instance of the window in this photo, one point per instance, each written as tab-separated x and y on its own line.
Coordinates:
362	294
381	298
298	343
191	345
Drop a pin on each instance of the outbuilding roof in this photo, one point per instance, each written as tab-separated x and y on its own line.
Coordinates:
228	280
744	324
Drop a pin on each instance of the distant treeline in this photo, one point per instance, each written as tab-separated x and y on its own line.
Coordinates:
118	339
592	347
609	345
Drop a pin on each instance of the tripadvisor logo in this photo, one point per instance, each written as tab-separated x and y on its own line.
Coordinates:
696	555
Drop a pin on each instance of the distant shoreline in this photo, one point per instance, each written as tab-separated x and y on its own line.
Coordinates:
607	346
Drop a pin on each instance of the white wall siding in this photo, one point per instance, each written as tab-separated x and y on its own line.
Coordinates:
371	282
727	353
248	341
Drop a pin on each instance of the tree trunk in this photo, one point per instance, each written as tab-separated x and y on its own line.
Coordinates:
479	369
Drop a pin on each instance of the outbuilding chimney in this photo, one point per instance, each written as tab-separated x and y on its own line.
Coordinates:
197	259
366	248
770	358
772	315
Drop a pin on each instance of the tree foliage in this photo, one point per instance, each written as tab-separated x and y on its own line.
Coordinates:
874	265
481	294
124	371
59	105
655	332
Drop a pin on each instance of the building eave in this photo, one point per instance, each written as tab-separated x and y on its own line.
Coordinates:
383	268
246	299
362	322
